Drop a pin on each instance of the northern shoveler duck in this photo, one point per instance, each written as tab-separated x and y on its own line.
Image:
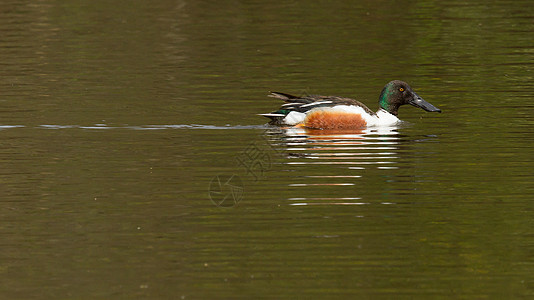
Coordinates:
333	112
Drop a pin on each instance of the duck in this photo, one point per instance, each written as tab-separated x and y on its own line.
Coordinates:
334	112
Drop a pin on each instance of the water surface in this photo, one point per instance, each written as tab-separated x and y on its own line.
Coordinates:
134	164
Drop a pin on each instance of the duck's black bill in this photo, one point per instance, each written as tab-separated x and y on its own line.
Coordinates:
421	103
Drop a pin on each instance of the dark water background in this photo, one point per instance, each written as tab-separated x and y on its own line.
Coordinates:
117	120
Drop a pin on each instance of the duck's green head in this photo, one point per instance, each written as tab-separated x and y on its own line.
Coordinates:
397	93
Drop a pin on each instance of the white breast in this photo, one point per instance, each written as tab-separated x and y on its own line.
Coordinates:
383	118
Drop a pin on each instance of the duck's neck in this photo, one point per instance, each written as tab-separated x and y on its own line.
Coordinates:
384	104
390	110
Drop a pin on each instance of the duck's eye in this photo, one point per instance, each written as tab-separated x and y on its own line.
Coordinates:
401	89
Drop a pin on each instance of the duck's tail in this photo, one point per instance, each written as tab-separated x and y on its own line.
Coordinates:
277	117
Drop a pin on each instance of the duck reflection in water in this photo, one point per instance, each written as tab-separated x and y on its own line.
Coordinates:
336	160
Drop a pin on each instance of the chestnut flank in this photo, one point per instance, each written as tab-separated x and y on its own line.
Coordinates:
325	119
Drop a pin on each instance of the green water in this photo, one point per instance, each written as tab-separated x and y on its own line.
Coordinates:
121	125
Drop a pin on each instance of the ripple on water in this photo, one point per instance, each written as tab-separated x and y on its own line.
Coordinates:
145	127
321	153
